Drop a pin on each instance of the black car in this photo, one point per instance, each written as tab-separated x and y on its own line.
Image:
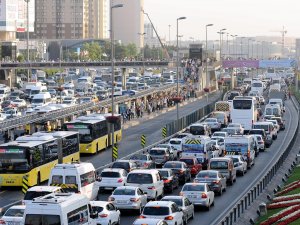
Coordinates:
127	165
170	179
180	169
268	141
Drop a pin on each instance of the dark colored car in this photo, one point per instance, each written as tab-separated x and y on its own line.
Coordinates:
193	164
6	103
280	121
143	161
127	165
170	179
215	180
181	169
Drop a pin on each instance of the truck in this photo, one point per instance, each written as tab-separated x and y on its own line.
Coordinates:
241	145
200	147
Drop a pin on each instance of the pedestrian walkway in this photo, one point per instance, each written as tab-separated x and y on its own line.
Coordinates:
137	121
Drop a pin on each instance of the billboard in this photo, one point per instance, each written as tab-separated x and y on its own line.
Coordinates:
281	63
240	63
195	51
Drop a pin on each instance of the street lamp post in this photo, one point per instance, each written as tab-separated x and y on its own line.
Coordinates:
143	58
177	65
112	58
221	32
206	54
27	39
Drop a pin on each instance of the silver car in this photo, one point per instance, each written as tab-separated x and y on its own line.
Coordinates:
239	164
129	197
184	204
160	155
144	161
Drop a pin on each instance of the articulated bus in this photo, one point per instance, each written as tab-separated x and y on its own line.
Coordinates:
94	132
244	111
35	155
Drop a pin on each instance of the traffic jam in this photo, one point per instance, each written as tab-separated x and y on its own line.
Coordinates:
200	162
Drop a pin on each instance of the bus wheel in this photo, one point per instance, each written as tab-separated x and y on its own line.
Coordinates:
38	180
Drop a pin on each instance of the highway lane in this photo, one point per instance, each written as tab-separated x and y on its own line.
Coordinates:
130	143
242	183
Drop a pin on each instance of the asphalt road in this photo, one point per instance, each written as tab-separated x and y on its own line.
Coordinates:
129	144
242	183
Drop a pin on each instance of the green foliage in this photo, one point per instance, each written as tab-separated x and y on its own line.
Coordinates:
93	50
52	71
131	50
20	58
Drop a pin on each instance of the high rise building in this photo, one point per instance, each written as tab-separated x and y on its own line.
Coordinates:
13	18
128	22
71	19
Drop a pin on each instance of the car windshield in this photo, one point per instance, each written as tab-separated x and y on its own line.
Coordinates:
175	142
177	201
124	191
205	174
40	219
157	152
197	130
164	173
218	165
122	165
14	213
173	165
139	157
188	161
37	100
34	194
97	209
261	126
139	178
156	211
110	174
193	187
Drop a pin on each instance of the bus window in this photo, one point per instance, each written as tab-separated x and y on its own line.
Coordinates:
70	180
242	104
57	179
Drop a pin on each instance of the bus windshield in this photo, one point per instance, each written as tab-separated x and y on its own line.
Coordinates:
13	159
84	131
242	104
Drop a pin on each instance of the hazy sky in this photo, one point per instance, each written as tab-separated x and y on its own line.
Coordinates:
241	17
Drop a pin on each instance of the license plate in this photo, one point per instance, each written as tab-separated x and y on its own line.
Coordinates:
108	188
13	223
122	202
192	196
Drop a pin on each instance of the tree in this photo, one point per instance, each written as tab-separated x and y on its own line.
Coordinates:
93	50
20	58
131	50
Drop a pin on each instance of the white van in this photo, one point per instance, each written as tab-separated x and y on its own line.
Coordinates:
75	177
41	99
37	90
4	92
149	181
59	208
39	191
273	109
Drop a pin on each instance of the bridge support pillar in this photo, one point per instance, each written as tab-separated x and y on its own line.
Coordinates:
8	77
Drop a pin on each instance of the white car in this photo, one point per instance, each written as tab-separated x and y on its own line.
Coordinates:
259	142
129	197
276	125
237	126
19	103
107	213
166	210
150	222
111	178
213	123
220	134
239	164
177	144
199	194
14	215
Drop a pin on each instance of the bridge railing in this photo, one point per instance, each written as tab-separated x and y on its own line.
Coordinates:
77	109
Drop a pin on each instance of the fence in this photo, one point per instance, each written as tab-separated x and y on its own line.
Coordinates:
235	210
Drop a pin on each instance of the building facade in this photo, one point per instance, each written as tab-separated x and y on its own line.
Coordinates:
71	19
13	18
128	22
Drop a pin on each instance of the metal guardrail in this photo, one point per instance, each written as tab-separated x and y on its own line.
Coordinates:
236	209
61	113
122	64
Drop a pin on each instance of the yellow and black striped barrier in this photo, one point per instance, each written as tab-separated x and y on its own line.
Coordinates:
164	132
143	141
192	142
25	184
115	152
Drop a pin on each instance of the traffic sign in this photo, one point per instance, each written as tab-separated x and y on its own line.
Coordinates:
143	141
115	152
25	184
164	132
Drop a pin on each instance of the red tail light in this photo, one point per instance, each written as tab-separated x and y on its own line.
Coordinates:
103	215
134	199
151	188
216	181
169	218
142	217
167	181
120	180
146	164
2	222
203	195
